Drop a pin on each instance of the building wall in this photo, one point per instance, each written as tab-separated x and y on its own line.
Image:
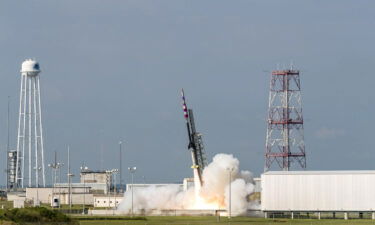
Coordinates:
78	199
45	195
105	201
318	191
16	196
258	184
94	187
96	177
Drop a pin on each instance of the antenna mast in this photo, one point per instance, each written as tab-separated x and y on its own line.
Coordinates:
285	141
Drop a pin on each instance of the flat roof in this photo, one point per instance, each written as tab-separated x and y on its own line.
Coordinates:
319	172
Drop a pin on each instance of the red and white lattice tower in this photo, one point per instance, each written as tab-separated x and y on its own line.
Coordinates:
284	142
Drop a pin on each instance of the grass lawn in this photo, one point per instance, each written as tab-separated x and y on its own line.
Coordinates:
186	220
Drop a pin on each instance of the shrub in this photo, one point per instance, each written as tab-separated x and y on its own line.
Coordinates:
35	214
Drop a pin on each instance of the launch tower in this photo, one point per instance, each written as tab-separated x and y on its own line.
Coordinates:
30	149
195	144
285	141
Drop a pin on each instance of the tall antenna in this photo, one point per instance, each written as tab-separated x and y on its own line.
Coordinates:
285	140
8	123
120	156
7	150
69	181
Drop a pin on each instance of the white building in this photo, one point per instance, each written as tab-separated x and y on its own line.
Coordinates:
80	195
100	181
96	188
108	201
318	191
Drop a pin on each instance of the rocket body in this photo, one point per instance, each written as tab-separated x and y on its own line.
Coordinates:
194	146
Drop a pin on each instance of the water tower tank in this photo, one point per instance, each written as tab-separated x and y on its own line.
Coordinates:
31	67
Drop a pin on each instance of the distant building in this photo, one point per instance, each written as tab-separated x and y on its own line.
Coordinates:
12	196
90	176
95	188
99	181
80	195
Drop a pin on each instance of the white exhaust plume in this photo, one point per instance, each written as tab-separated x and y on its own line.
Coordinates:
214	194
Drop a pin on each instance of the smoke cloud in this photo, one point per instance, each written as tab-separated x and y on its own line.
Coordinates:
214	194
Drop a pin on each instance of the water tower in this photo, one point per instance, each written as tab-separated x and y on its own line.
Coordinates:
30	152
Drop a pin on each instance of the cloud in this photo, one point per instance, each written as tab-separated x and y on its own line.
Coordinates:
329	133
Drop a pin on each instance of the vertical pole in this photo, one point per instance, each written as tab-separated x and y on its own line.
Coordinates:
115	190
29	129
18	166
41	135
132	193
7	152
37	194
60	187
24	128
84	187
54	178
120	143
230	194
54	183
35	130
84	194
52	173
109	189
286	126
70	182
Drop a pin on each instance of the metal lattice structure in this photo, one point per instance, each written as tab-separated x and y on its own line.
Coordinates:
285	140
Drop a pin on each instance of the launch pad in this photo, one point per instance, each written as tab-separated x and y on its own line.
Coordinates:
172	212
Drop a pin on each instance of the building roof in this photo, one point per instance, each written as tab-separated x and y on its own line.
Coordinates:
94	171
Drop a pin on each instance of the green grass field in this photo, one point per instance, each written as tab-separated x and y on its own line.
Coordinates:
181	220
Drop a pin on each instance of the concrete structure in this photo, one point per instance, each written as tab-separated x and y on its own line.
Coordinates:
99	181
108	201
18	203
188	183
12	196
95	188
258	184
318	191
90	176
79	195
30	150
141	186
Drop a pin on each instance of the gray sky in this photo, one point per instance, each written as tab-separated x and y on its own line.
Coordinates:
112	70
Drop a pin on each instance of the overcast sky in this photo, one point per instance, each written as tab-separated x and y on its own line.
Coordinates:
112	70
